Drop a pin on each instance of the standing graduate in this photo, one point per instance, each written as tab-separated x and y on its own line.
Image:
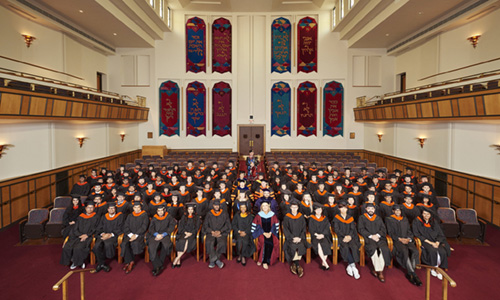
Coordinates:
321	236
435	248
216	227
373	230
344	226
404	250
295	246
135	228
186	234
77	248
242	233
160	230
82	187
265	228
106	239
202	205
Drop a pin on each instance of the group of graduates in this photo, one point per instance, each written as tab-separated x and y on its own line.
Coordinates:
146	205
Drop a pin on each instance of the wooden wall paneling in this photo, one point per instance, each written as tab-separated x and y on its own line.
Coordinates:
92	111
25	105
482	200
10	104
455	108
435	109
479	105
59	109
388	112
85	110
411	111
98	112
492	104
379	114
37	106
419	110
77	110
49	107
398	112
467	106
104	112
496	206
445	108
5	211
459	191
19	200
426	110
69	106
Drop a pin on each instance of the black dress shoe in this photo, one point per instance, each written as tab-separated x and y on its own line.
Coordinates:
106	268
417	280
410	279
98	268
154	272
173	266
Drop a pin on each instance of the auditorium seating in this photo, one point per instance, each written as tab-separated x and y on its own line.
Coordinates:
470	225
34	226
449	222
53	227
443	202
62	201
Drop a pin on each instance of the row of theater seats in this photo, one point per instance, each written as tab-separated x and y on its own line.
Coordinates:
181	158
44	89
469	88
460	222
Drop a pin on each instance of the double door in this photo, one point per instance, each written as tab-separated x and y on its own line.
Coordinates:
251	137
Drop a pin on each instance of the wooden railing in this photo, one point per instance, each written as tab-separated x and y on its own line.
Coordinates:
64	283
19	195
446	279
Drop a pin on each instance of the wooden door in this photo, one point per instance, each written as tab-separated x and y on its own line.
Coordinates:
251	137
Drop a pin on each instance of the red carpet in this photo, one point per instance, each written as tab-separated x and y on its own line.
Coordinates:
29	272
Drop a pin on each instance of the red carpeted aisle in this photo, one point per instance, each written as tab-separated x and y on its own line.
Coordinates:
28	272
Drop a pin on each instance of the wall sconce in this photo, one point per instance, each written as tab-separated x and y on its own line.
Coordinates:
380	135
28	39
81	140
497	147
474	39
122	135
421	140
3	147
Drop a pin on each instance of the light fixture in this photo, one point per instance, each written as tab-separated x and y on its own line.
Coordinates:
497	147
474	40
28	39
3	147
380	135
421	140
122	135
80	140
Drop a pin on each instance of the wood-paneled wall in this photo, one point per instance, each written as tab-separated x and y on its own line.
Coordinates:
464	190
477	105
19	195
32	105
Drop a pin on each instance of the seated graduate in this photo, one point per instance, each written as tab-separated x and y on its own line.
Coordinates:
106	237
404	250
216	227
320	195
155	203
100	206
160	230
186	234
435	248
242	233
331	209
373	230
122	205
134	228
77	248
294	229
408	209
306	205
265	228
285	204
242	198
427	204
344	226
71	214
386	205
321	236
202	206
175	208
82	187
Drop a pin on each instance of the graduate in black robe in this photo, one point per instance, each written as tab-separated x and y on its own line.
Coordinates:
242	233
320	195
160	230
106	238
409	209
71	214
435	248
82	187
285	204
295	246
175	208
135	228
321	236
156	202
330	208
373	230
405	251
344	226
265	228
122	205
77	248
186	234
386	206
216	227
202	204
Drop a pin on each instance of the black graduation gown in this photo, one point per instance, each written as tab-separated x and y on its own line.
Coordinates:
201	207
386	209
165	224
330	211
284	209
320	226
400	228
375	225
216	222
344	227
153	207
135	224
294	226
71	214
320	197
305	209
82	189
107	248
187	224
244	245
125	208
431	231
236	205
410	212
74	250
